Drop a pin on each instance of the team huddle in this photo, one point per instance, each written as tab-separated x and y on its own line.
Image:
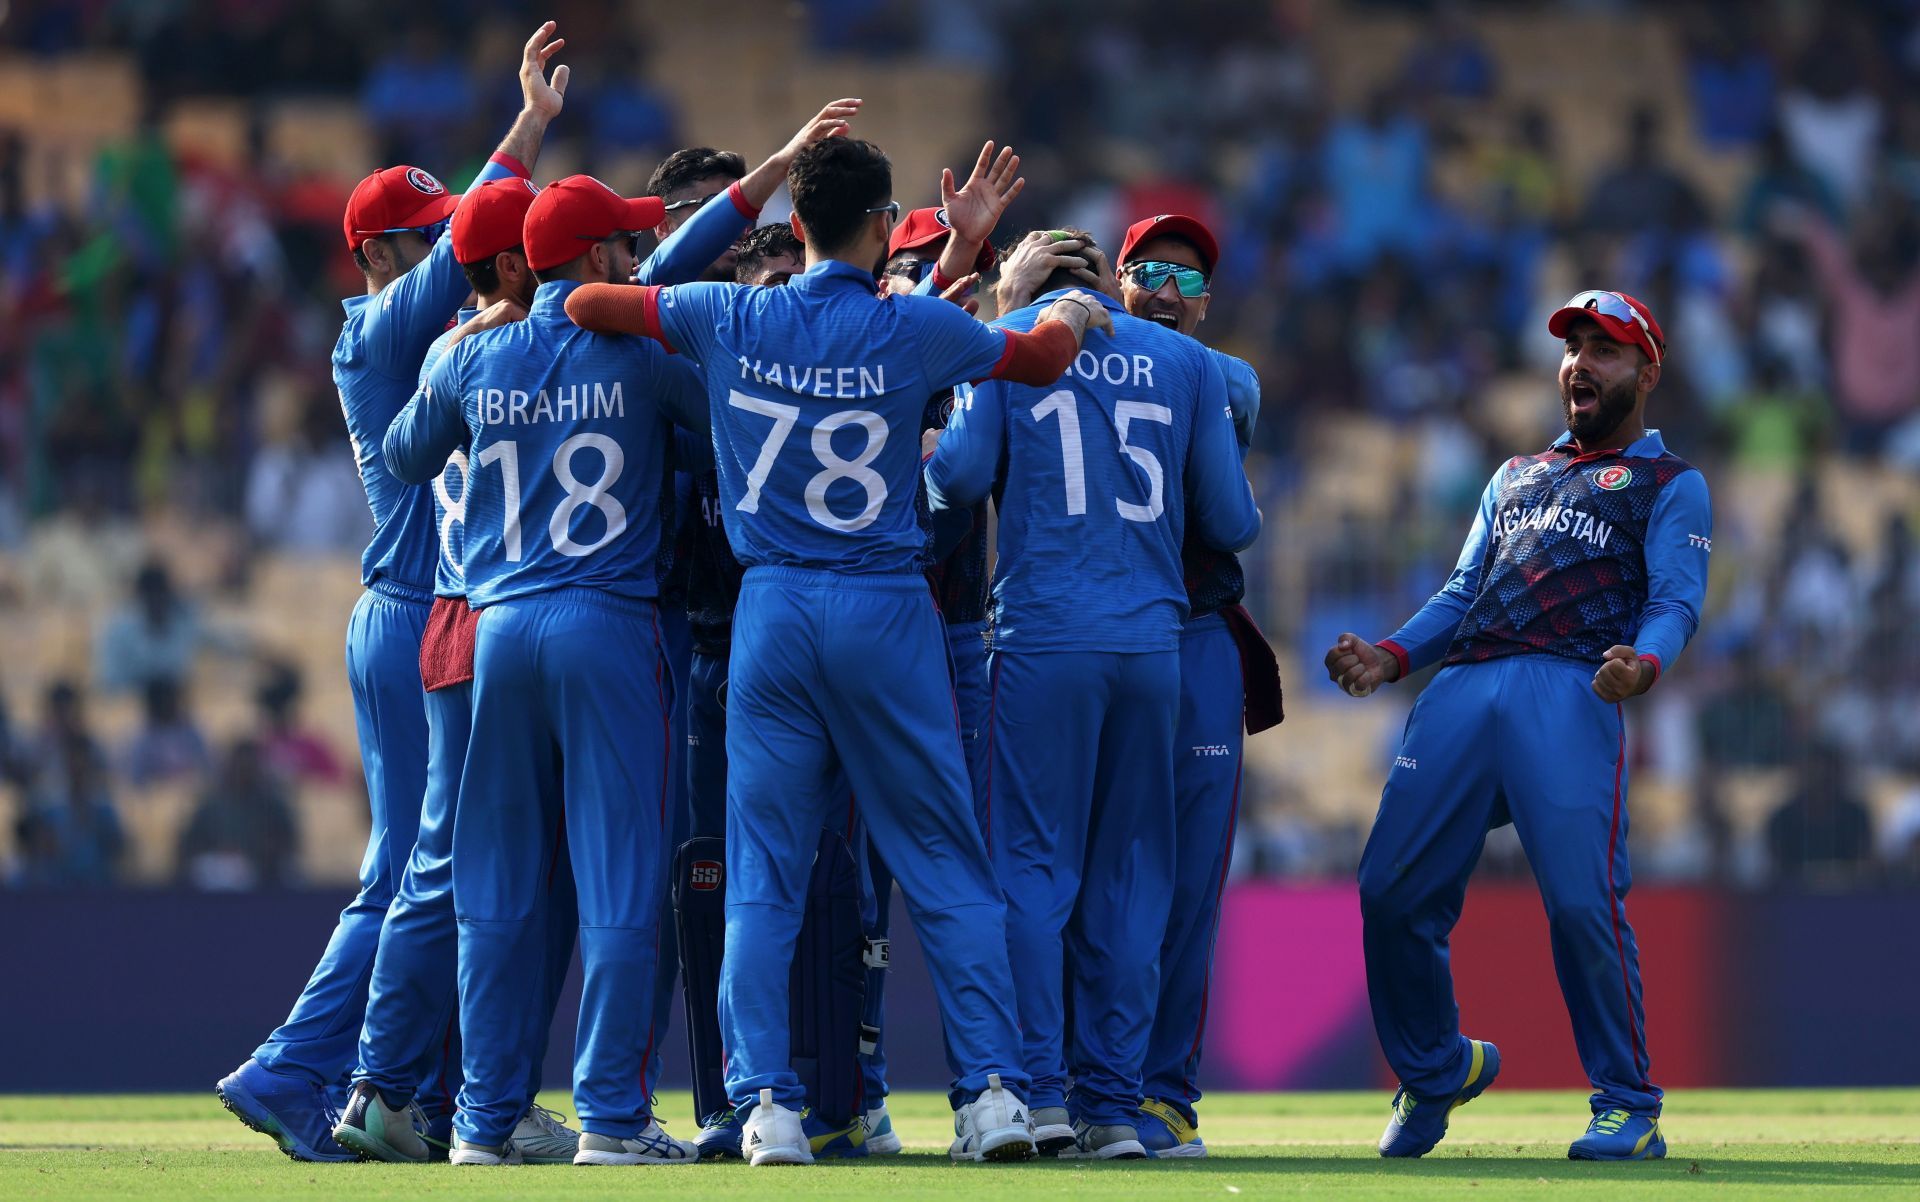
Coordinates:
680	647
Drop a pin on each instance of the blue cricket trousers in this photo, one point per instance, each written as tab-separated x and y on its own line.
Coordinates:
707	746
1206	802
1523	739
570	732
1082	774
968	654
320	1038
411	1040
832	672
677	640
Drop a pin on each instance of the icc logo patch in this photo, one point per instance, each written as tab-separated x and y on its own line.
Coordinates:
1613	478
424	182
706	875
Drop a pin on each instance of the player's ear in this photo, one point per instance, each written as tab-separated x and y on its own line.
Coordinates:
1649	376
799	231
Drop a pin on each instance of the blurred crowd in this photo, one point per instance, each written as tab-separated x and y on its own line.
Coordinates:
1390	257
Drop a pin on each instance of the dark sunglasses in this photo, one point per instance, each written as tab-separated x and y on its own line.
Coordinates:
891	208
691	202
1152	275
630	237
914	269
430	232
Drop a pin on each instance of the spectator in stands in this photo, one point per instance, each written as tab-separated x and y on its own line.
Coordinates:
418	95
1448	61
1642	193
242	836
1747	722
1730	79
1872	290
1823	835
302	494
623	113
168	745
69	833
1375	168
1781	179
154	637
1831	117
41	762
293	753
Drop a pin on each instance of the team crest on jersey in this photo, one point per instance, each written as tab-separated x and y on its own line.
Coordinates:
424	182
705	875
1614	478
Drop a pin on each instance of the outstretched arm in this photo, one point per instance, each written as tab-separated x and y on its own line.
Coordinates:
973	210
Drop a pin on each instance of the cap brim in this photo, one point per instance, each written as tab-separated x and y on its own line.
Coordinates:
645	212
1620	331
433	212
907	244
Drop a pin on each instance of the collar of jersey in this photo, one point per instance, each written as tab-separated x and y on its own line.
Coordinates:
1650	446
550	299
829	273
1057	293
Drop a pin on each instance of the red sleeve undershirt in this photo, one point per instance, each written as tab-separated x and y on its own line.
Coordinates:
1038	358
503	159
618	309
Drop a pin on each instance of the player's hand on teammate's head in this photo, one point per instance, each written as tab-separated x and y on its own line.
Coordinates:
974	208
833	121
1358	666
929	441
1622	674
499	313
1027	266
1099	272
539	93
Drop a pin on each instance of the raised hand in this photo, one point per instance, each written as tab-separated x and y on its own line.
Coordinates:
832	121
1622	674
1358	666
960	293
975	208
538	95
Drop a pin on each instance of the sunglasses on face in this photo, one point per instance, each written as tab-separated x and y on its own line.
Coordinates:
430	232
1613	305
1152	275
692	202
914	269
891	209
631	238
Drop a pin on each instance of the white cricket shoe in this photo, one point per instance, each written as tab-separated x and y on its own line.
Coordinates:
466	1153
543	1137
772	1134
993	1126
651	1146
882	1139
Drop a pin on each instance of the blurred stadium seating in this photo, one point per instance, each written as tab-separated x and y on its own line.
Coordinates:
1404	190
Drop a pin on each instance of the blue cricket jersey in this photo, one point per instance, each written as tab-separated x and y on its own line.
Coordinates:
683	256
1215	579
1571	554
817	391
1095	478
376	367
449	488
570	438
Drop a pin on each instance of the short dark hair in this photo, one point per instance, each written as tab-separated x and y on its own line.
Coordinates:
834	182
761	243
692	164
483	277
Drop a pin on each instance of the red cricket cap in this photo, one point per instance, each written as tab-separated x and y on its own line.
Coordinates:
571	214
399	198
924	227
1616	314
490	218
1178	225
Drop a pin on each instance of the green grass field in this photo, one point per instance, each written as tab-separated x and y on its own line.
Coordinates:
1747	1144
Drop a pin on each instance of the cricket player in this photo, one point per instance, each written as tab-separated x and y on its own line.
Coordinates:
395	226
1228	679
817	390
1095	476
570	438
1581	580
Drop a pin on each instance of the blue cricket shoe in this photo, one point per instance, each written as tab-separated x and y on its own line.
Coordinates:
1167	1133
291	1110
719	1137
830	1142
1620	1135
1419	1123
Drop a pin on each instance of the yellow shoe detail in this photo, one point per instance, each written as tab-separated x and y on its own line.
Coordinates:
1183	1131
1474	1069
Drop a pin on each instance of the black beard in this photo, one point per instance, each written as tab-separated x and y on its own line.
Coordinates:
1616	405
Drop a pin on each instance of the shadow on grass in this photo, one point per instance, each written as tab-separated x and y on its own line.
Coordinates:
1756	1170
